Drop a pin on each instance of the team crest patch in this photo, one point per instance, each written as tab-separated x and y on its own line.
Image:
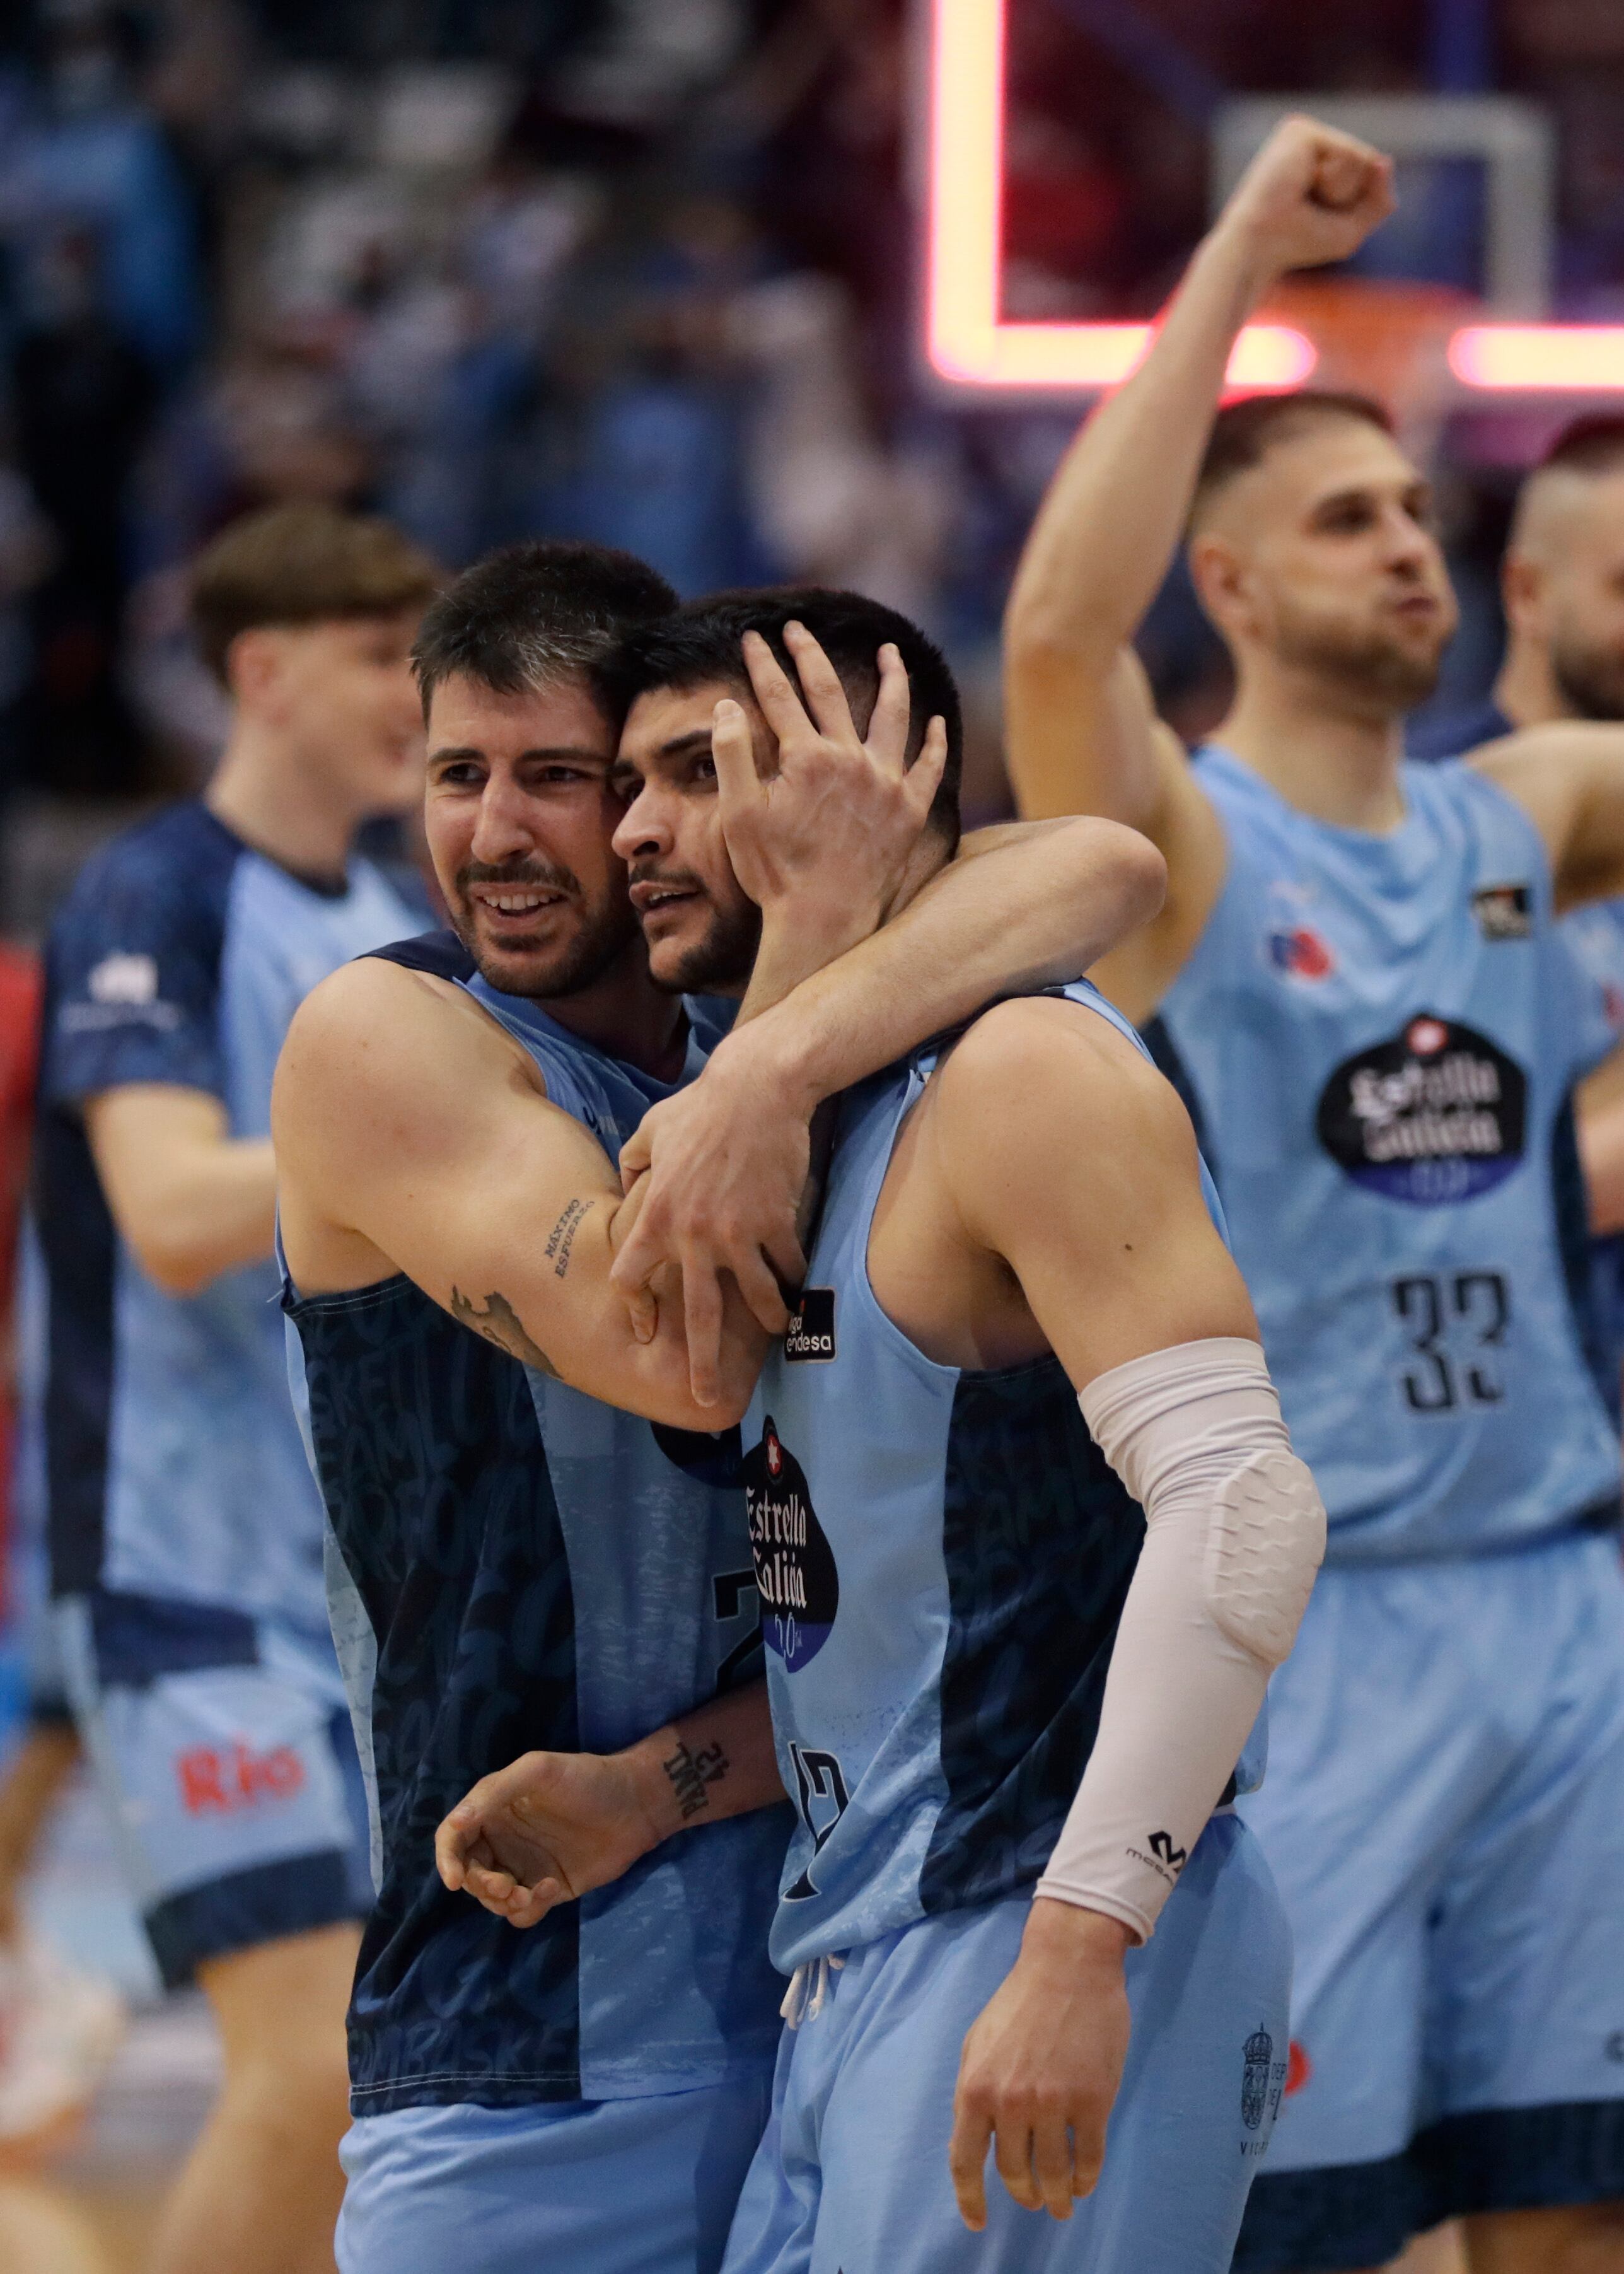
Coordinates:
1298	951
1503	911
809	1338
795	1574
1437	1113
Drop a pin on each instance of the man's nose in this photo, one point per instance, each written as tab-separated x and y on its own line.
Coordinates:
643	829
502	828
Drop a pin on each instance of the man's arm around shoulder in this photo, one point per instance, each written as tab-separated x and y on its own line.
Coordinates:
413	1135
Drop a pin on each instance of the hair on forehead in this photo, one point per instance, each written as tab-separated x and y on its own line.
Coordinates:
702	643
1247	430
529	615
1591	445
290	565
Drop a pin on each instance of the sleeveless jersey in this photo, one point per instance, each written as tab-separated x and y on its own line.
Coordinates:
943	1558
1377	1036
515	1566
174	1464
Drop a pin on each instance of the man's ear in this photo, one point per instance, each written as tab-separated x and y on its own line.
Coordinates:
1522	584
1218	576
253	666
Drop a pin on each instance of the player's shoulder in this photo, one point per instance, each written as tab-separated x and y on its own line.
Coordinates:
172	869
392	1025
1038	1053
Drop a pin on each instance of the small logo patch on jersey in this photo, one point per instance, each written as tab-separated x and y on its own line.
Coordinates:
121	978
1503	911
809	1338
1299	952
795	1572
1433	1114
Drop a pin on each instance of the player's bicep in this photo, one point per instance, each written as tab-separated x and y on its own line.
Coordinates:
1082	1173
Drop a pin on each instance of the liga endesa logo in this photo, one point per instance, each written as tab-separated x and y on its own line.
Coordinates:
224	1779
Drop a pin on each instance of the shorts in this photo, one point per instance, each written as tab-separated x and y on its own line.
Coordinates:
852	2171
1445	1816
641	2186
223	1746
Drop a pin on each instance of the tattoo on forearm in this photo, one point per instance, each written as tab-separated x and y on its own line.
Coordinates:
500	1323
561	1239
691	1776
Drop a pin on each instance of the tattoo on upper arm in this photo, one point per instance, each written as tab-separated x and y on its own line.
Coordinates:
500	1323
691	1776
561	1239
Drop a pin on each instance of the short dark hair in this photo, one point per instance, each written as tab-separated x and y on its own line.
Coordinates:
303	564
533	612
1247	430
704	642
1593	444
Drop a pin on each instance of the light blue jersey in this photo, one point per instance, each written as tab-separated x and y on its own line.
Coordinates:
173	1462
941	1558
1377	1036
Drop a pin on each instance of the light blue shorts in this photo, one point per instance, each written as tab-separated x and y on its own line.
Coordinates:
223	1749
1444	1812
643	2185
851	2176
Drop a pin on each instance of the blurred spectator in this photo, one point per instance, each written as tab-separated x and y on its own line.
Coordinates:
84	398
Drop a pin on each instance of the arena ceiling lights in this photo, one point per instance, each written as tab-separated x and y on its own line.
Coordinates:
968	346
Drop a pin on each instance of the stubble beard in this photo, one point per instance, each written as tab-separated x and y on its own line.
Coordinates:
1589	679
604	935
1371	666
723	960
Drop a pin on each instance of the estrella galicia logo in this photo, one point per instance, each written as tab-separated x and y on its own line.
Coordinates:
1503	911
1256	2077
1436	1114
795	1572
809	1338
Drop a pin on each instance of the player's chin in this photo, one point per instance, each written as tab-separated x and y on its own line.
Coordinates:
676	940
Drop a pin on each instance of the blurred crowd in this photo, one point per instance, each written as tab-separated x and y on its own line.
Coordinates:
638	270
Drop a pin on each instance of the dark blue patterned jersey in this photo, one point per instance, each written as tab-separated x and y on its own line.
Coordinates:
513	1566
943	1558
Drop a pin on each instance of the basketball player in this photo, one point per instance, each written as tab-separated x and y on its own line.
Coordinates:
515	1564
185	1531
1562	583
1360	986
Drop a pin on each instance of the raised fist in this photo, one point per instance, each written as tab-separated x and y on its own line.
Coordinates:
1310	195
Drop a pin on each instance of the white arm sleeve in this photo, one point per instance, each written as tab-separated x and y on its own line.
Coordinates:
1235	1531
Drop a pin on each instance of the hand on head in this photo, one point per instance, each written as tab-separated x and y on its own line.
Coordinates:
833	827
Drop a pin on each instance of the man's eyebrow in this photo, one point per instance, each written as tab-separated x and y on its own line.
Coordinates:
576	753
697	738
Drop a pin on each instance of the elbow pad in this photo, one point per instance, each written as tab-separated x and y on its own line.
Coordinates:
1235	1532
1195	1433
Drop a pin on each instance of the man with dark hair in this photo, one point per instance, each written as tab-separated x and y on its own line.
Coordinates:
948	1556
1359	980
536	1540
185	1536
